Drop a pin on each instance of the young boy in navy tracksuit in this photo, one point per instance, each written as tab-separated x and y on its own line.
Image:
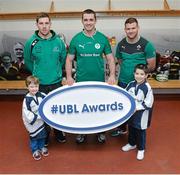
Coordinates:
140	120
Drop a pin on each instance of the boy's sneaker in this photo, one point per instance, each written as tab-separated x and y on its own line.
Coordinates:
37	155
118	132
44	151
101	138
80	138
128	147
140	155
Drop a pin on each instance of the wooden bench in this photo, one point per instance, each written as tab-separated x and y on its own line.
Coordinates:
12	87
167	87
19	88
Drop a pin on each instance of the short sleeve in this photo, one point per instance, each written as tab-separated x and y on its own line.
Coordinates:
150	50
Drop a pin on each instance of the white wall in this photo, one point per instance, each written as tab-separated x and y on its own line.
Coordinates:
12	6
164	32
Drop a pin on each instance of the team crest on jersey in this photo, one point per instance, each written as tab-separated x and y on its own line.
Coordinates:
97	46
56	49
38	49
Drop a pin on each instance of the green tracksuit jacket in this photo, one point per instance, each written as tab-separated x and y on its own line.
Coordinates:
45	58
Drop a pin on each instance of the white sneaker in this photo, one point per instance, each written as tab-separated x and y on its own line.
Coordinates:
44	151
140	155
37	155
128	147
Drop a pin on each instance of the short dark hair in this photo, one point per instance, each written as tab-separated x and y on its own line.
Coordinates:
42	15
131	20
89	11
31	79
142	67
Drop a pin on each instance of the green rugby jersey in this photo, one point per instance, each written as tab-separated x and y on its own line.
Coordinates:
89	54
131	55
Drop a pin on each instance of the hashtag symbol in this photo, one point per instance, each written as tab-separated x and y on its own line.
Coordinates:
54	109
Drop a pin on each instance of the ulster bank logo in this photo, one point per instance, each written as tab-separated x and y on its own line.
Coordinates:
97	46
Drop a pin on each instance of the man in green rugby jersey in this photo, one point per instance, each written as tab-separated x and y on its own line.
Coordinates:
90	47
131	51
44	56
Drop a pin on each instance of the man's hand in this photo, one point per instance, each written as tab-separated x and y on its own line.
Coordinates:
111	80
70	81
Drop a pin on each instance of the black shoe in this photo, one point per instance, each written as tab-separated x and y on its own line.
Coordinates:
61	137
118	132
80	138
101	138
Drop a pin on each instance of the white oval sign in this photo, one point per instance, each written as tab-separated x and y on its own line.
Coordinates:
87	107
